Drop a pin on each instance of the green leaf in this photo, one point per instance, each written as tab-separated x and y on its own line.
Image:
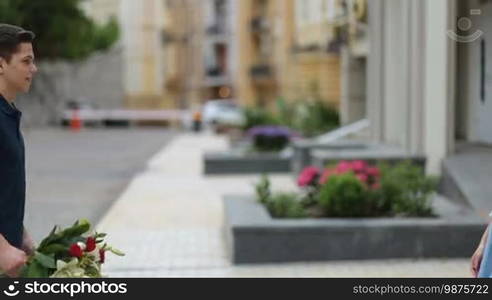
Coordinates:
47	261
54	249
53	236
36	270
81	227
67	236
116	251
100	235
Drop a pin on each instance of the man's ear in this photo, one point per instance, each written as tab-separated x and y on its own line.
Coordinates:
2	64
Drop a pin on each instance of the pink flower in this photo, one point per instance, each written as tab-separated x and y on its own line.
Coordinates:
373	171
359	166
344	167
75	251
308	176
326	176
362	177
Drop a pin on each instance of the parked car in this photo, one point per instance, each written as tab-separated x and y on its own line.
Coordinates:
222	112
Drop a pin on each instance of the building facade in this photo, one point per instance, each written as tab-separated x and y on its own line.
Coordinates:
427	81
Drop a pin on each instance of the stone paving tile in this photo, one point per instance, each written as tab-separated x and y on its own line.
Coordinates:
168	249
201	253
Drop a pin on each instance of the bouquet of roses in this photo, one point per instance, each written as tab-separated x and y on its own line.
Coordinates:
73	252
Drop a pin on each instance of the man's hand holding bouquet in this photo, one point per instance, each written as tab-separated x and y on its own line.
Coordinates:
73	252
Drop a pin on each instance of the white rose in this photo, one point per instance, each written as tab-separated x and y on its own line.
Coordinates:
81	245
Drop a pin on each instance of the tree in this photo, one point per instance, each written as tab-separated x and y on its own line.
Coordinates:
62	29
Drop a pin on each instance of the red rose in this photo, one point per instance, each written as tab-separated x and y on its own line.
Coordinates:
90	244
101	256
75	251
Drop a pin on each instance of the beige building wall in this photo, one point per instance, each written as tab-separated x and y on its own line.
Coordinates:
142	24
317	77
317	71
294	75
183	45
244	91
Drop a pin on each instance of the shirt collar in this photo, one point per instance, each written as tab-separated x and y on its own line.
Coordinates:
6	107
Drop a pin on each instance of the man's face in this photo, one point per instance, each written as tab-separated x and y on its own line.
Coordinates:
18	73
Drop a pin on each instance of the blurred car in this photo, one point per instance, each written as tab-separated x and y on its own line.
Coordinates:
222	112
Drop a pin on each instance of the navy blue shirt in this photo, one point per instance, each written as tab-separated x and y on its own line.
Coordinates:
12	174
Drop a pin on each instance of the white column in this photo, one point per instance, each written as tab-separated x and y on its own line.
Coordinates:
416	70
375	70
439	83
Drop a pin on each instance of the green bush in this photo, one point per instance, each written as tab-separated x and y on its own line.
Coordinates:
344	196
315	118
308	118
263	143
256	116
263	190
285	205
282	205
406	190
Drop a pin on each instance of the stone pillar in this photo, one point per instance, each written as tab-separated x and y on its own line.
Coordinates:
439	93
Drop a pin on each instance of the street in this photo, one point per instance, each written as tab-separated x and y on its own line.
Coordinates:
73	175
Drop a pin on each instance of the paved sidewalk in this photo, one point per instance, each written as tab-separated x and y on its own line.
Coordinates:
169	223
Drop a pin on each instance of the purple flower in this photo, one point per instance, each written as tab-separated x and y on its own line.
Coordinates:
270	131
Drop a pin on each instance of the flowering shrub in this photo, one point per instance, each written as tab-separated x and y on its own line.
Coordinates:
367	174
405	190
72	252
344	195
270	138
308	177
355	189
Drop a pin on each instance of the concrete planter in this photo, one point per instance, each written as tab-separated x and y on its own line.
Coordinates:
242	163
254	237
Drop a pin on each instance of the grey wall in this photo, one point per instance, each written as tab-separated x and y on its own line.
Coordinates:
97	79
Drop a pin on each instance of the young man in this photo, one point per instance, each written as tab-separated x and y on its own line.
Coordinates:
16	72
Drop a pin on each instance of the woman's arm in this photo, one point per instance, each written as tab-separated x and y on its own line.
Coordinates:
476	259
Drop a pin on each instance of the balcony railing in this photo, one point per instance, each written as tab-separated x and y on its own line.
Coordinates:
261	70
214	72
262	74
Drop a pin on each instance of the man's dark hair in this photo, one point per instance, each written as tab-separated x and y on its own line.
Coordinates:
11	37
